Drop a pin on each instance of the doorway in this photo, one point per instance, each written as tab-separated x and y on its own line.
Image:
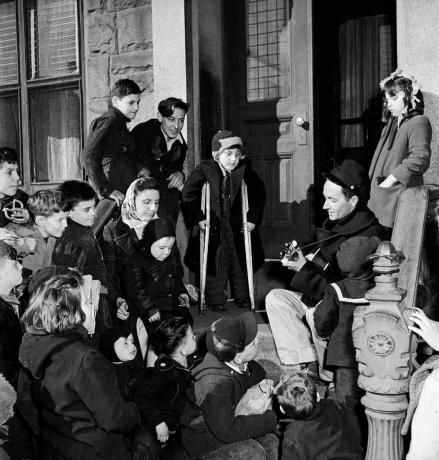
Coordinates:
354	49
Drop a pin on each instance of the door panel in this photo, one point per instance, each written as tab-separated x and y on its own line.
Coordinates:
268	68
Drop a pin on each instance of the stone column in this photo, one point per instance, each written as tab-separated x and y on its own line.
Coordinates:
382	343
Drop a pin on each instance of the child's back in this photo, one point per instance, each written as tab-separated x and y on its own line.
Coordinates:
331	432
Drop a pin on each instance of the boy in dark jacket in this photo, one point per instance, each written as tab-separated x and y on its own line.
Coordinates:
224	173
77	247
318	430
108	157
161	394
209	425
161	151
334	314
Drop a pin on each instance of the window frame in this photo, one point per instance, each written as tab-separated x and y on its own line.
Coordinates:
24	87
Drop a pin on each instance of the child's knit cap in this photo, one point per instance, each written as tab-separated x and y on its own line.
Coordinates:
238	331
352	256
108	338
224	140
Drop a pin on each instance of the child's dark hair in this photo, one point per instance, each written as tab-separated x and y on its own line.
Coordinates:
125	87
168	335
297	395
167	106
45	203
8	155
76	191
397	84
146	183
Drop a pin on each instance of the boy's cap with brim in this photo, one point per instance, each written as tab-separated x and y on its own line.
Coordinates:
352	176
239	331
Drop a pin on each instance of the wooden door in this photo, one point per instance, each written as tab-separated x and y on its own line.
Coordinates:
268	72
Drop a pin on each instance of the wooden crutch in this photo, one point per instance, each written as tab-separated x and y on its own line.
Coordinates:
204	246
248	246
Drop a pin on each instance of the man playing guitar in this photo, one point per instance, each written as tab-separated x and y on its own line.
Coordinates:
346	192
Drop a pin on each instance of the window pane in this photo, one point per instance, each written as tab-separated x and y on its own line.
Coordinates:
8	43
52	38
9	122
55	134
266	49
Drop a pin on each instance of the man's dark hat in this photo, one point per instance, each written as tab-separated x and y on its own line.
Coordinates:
351	176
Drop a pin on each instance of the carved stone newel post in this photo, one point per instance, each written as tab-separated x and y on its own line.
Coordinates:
382	343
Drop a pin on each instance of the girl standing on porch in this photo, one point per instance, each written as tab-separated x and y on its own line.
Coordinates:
403	152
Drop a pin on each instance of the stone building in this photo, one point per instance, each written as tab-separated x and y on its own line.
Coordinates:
297	79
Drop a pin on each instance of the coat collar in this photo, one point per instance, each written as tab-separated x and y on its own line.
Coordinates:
214	176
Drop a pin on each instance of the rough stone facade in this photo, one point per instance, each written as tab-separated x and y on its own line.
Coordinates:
117	44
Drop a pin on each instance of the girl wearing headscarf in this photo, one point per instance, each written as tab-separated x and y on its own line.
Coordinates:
120	236
152	279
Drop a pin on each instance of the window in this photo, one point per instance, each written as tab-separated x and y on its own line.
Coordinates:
266	49
366	50
40	87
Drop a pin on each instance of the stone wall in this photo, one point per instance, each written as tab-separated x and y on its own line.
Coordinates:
418	45
117	44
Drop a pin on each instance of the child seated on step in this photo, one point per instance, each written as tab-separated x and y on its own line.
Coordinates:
224	173
211	426
161	394
333	316
316	430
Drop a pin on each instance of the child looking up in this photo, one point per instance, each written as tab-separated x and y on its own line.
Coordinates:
153	278
224	173
318	430
209	424
403	153
161	395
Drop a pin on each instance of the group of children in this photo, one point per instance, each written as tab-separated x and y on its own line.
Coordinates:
170	402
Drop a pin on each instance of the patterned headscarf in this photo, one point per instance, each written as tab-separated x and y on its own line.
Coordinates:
129	211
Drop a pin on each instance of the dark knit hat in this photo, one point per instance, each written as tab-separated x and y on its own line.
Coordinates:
224	140
237	331
108	338
154	231
352	256
352	176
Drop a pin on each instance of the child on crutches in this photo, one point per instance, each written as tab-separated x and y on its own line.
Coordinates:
226	257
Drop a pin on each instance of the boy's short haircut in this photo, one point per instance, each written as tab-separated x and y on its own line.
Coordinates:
76	191
45	203
297	395
8	155
168	335
124	87
167	106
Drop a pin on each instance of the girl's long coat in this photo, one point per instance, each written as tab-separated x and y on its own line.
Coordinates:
407	157
210	171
